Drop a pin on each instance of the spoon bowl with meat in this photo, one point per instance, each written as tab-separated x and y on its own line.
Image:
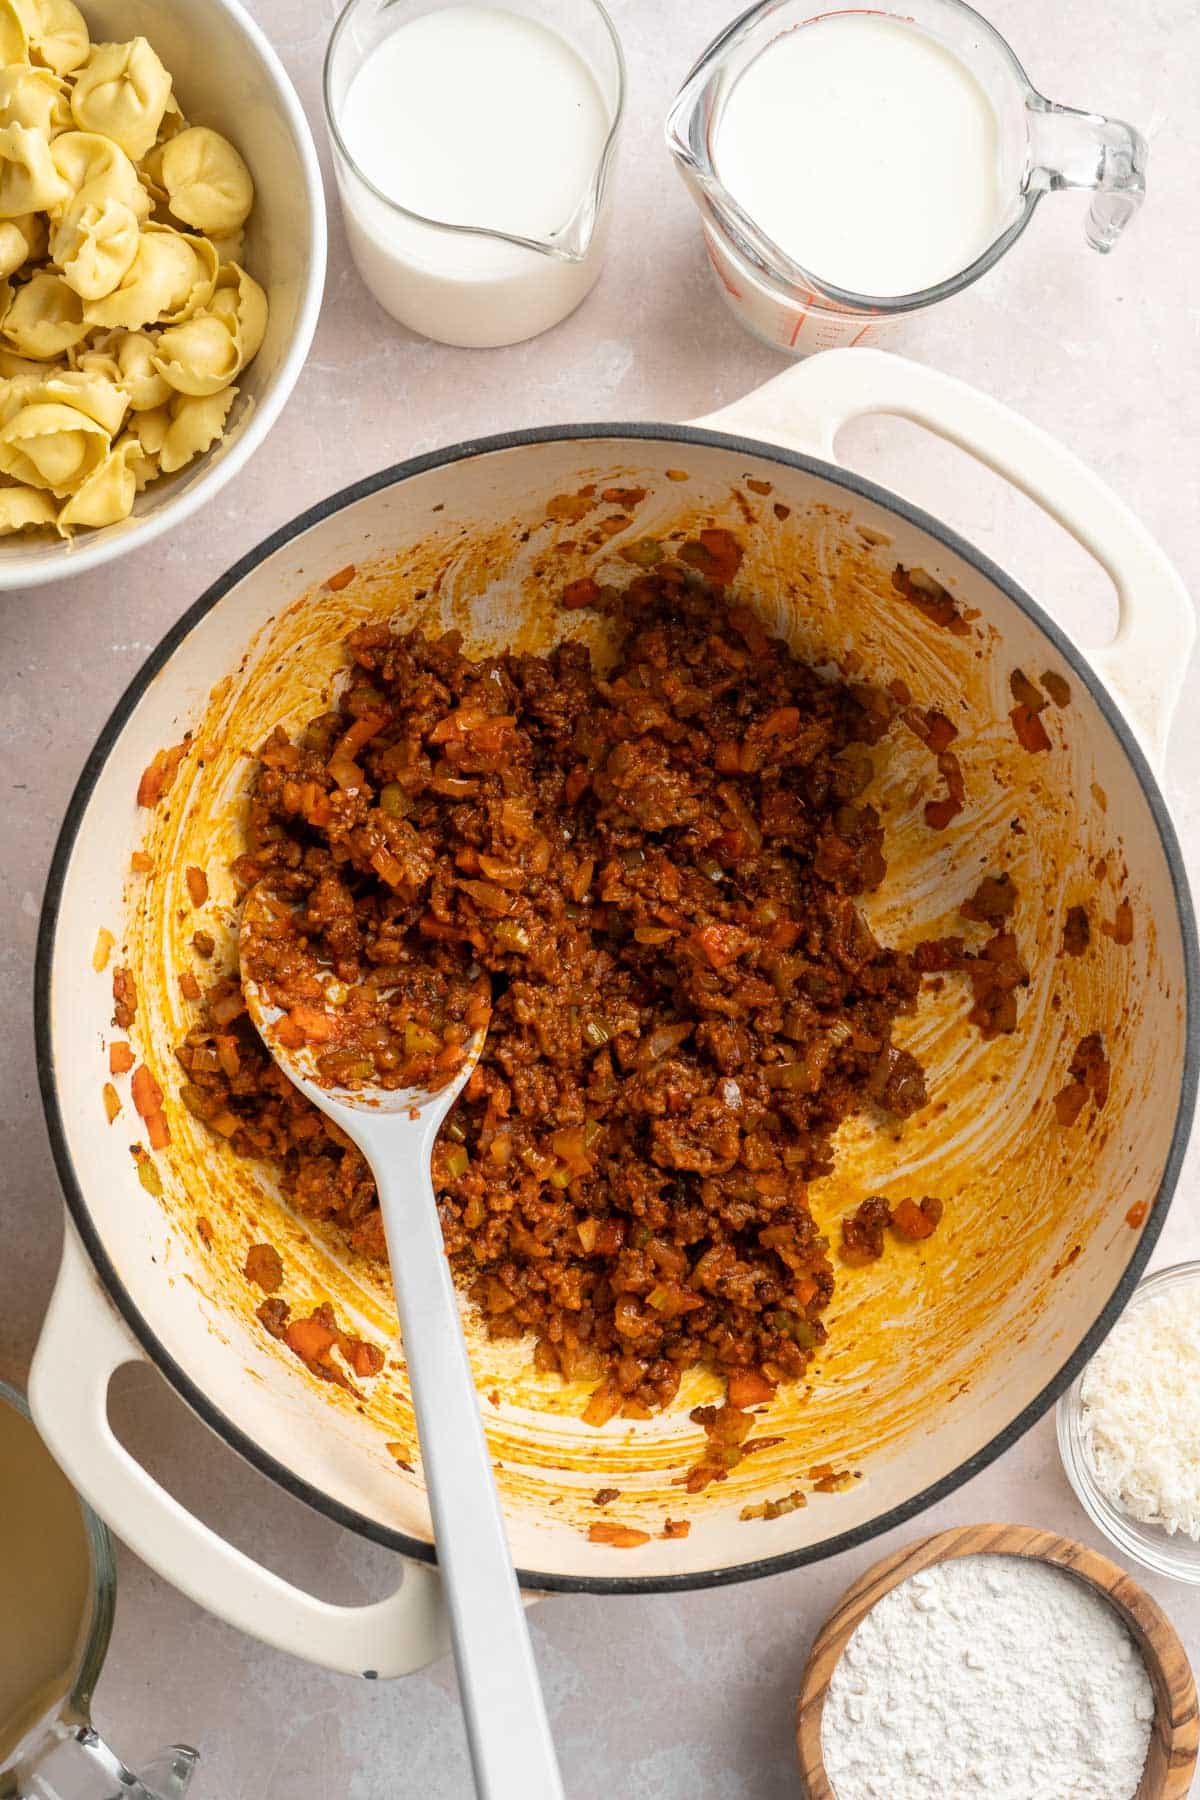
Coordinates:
334	1041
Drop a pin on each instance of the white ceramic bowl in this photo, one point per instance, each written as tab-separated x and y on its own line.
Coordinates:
1149	1545
228	76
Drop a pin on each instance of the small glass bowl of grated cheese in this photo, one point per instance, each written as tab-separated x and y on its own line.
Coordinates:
1129	1427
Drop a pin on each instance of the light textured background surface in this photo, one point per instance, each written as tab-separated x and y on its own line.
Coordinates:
651	1699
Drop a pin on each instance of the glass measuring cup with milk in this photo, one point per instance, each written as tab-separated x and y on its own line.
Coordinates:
855	165
57	1592
472	147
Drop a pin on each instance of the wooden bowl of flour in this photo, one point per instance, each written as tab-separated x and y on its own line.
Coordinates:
1171	1757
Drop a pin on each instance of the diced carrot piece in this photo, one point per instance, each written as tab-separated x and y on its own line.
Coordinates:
718	555
621	1537
604	1404
357	736
365	1359
387	867
309	1338
317	1027
749	1387
158	1131
147	1095
719	944
916	1222
581	593
159	774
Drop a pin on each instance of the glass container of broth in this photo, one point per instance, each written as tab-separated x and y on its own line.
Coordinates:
853	164
57	1594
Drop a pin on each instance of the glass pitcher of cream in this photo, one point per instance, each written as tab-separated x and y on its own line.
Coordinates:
472	146
57	1592
852	166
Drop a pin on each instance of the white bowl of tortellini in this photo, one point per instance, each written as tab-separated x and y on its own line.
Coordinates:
162	257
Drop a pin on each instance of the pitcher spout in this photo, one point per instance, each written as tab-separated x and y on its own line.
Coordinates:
576	238
573	242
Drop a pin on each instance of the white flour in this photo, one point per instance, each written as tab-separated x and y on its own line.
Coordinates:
988	1678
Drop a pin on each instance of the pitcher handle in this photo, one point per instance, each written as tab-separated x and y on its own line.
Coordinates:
1071	149
83	1344
1144	664
76	1764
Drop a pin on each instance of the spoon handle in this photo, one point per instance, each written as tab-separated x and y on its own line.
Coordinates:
512	1752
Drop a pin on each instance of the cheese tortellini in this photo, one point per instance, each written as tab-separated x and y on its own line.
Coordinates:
51	445
122	92
171	277
21	507
240	301
208	185
29	181
44	318
14	39
95	244
107	493
87	390
131	354
56	32
93	164
22	240
198	357
193	426
34	97
126	314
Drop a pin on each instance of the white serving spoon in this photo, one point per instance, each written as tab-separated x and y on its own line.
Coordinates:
512	1752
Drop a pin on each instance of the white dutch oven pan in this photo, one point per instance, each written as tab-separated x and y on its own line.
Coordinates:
940	1356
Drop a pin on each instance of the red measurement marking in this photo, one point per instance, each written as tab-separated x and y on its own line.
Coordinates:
722	277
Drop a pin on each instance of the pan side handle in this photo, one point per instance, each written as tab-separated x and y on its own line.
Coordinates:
82	1345
1144	664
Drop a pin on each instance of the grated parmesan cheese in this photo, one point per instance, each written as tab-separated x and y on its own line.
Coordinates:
1140	1413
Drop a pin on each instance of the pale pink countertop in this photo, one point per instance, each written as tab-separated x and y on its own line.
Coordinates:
685	1698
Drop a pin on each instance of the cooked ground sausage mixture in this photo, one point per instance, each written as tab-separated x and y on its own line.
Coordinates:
655	870
863	1229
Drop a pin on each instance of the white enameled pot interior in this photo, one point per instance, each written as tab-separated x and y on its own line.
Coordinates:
225	75
935	1350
